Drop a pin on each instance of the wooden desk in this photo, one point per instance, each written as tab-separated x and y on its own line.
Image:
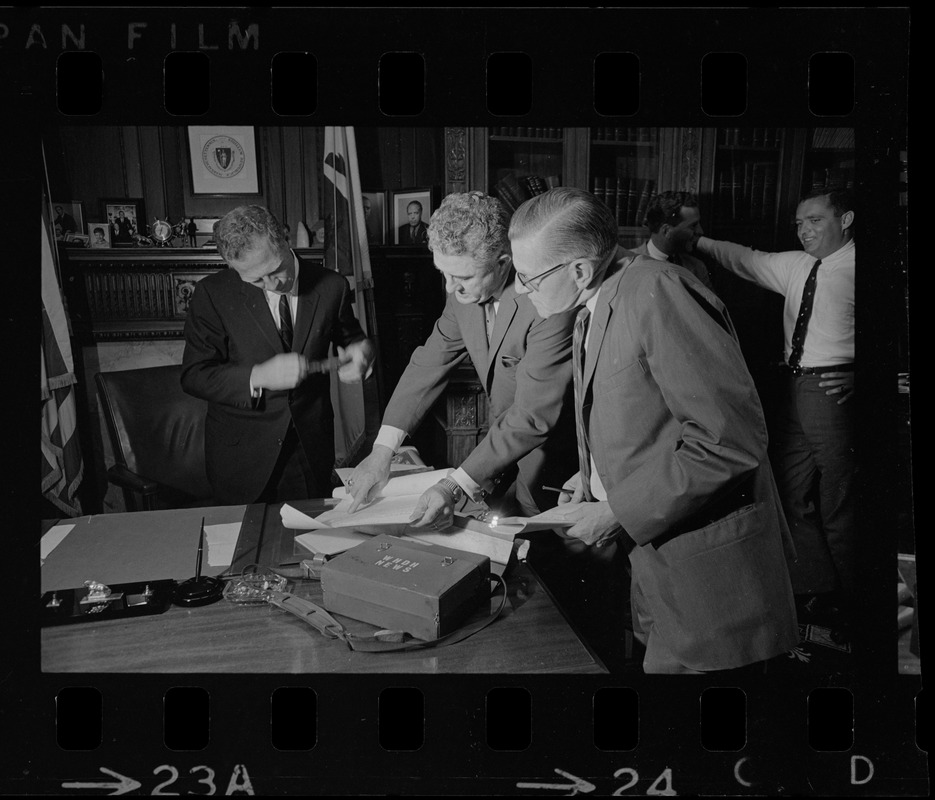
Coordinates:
531	636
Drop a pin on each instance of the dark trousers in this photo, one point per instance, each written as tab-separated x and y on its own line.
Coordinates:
814	461
293	477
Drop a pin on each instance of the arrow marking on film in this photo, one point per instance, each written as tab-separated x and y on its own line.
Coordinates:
123	785
578	785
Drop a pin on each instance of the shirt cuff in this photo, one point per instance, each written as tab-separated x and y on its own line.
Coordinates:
390	437
466	482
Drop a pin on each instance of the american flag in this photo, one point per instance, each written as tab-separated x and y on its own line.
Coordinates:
62	466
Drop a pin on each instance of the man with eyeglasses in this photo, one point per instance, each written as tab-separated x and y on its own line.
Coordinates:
672	442
522	361
250	333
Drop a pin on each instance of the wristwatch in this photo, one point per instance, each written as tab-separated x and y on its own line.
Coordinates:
453	488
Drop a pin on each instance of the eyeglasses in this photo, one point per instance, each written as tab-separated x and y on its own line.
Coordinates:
533	283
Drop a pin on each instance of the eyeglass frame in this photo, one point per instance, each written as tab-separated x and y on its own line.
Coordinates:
527	282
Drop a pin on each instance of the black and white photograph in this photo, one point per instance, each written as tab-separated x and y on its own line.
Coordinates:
67	218
555	439
124	217
412	209
374	203
99	235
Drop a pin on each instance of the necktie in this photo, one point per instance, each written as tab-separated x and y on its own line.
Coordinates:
285	321
490	316
675	258
577	365
805	312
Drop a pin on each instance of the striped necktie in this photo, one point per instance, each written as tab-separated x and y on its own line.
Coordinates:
577	365
285	321
805	313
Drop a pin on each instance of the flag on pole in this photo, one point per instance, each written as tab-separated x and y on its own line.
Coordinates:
62	466
347	252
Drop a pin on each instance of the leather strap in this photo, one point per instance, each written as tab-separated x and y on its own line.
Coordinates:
381	641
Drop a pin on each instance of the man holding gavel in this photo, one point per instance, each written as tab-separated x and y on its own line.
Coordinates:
258	338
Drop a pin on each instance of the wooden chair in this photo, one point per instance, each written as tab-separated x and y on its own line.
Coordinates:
158	436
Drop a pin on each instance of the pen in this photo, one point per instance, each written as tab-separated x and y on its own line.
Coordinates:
567	490
201	547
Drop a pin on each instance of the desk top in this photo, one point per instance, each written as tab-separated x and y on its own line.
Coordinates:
530	637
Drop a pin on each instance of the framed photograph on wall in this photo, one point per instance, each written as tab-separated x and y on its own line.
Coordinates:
98	235
374	202
125	218
412	209
223	160
67	218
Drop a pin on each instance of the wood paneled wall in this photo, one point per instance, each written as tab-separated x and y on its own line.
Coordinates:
90	163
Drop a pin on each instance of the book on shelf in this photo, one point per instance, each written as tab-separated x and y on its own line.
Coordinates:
619	201
551	181
646	192
633	200
757	184
769	191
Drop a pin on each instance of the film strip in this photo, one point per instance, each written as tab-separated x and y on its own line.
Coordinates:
185	728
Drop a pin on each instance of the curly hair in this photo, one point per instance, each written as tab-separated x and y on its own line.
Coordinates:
471	223
575	223
667	207
238	230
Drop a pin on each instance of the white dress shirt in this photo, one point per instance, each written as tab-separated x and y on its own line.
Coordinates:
830	337
272	300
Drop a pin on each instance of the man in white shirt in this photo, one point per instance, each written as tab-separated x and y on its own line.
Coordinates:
813	446
522	361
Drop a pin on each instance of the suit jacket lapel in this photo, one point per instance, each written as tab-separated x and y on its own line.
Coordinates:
599	322
501	325
307	304
472	322
254	300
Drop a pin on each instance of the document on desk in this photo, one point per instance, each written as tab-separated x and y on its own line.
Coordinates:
52	539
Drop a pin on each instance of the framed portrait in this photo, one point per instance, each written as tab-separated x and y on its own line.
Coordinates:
223	160
125	218
98	235
67	218
412	209
374	202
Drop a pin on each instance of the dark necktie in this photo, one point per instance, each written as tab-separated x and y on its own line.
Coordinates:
805	313
577	365
285	321
675	258
490	317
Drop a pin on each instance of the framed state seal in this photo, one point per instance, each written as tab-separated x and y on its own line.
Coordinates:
223	160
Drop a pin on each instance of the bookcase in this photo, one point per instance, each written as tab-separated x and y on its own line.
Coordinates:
829	159
624	172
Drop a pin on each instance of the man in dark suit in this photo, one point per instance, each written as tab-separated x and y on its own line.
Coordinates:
674	224
415	231
249	335
672	442
522	361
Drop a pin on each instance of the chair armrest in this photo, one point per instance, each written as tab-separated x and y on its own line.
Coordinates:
124	478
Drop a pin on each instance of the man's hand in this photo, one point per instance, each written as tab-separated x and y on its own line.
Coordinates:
575	493
283	371
842	383
594	523
369	477
356	361
436	507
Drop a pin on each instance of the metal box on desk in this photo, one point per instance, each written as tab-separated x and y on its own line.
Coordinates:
427	591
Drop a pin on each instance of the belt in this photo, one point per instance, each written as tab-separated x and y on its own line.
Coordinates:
819	370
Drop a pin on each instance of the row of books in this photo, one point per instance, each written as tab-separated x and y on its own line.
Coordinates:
514	190
833	177
833	138
135	295
627	198
750	137
625	134
520	130
747	192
